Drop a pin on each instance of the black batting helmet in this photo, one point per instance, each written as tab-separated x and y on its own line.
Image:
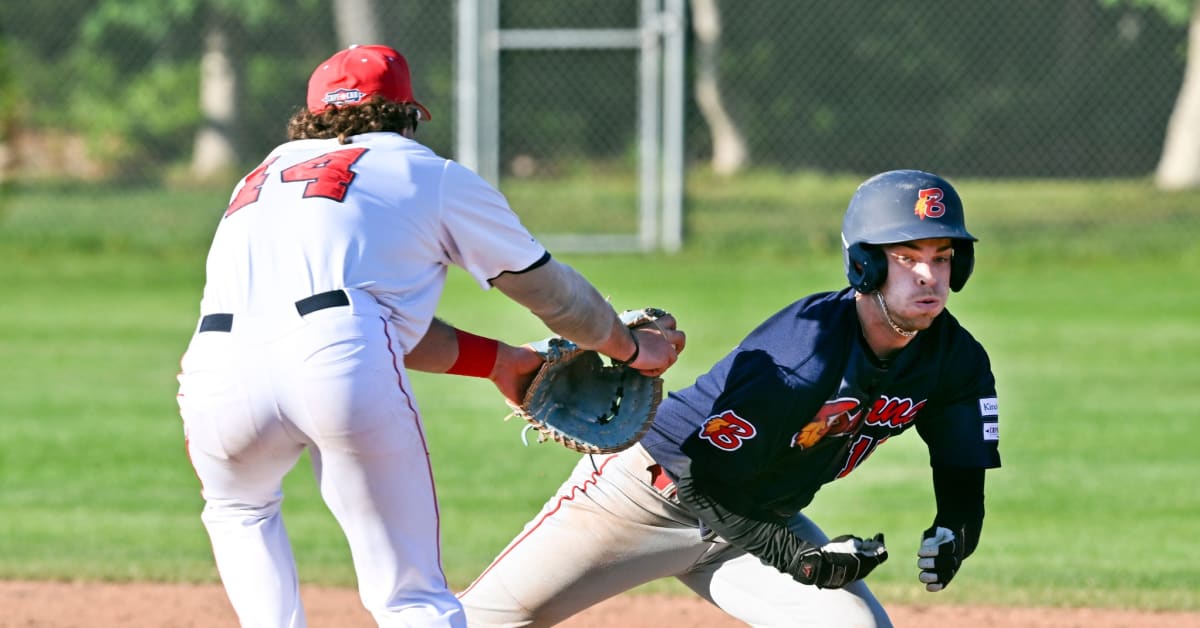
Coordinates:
901	206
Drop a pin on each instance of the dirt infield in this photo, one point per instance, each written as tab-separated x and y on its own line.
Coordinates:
79	605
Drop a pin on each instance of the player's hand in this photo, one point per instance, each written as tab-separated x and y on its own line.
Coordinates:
941	554
841	561
514	370
660	344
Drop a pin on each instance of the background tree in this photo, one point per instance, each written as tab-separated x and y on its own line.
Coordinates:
215	150
1179	165
173	33
729	154
356	22
8	118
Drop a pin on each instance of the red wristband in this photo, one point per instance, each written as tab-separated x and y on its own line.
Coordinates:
476	355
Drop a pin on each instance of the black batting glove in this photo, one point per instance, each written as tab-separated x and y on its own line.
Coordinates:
941	554
839	562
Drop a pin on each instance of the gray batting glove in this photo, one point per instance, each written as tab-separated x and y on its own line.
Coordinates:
940	556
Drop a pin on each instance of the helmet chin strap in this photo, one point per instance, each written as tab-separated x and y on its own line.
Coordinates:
887	315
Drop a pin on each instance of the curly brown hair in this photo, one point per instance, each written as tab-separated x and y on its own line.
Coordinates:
377	114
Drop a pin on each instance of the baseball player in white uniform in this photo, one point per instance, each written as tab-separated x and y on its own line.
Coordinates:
322	283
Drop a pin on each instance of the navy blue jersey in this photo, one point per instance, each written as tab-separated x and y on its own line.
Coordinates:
802	401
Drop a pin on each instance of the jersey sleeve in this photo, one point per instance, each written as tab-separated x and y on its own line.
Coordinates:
481	233
964	430
743	432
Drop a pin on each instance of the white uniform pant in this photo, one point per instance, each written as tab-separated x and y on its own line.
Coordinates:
253	399
608	530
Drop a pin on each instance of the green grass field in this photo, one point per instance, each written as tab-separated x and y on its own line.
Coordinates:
1085	294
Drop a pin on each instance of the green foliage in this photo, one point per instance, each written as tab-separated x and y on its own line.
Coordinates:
155	115
150	19
126	75
1175	11
160	20
1094	343
990	89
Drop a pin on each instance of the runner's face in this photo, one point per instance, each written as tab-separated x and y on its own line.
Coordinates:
918	280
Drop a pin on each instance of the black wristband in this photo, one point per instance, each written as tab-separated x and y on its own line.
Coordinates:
637	350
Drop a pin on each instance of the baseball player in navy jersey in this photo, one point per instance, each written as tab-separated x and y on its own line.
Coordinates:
714	494
321	286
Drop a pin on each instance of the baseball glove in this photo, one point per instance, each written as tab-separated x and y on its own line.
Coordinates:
584	405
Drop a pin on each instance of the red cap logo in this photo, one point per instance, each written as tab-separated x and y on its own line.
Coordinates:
354	75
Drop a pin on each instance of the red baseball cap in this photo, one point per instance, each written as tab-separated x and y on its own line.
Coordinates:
354	75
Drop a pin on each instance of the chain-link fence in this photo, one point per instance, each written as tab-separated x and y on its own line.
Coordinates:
111	89
1020	88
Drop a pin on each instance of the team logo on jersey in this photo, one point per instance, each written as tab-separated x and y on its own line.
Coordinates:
342	96
929	203
894	412
836	418
840	417
727	430
859	451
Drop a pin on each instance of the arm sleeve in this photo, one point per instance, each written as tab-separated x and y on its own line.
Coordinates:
959	496
769	539
964	430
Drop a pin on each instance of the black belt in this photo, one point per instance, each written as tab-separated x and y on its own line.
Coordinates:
305	306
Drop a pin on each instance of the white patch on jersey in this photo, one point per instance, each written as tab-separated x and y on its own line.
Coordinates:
991	430
989	407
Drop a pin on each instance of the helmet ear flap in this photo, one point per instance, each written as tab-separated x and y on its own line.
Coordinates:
962	264
866	267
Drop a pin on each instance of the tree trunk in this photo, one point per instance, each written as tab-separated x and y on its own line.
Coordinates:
356	23
215	151
1179	166
729	149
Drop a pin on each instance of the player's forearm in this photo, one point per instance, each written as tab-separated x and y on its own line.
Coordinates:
436	351
959	495
770	541
446	349
569	306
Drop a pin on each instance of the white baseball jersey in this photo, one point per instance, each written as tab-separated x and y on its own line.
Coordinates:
324	272
384	214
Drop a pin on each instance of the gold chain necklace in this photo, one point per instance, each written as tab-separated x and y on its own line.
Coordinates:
883	306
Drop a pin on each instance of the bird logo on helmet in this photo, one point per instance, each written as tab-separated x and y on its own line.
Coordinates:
929	203
901	206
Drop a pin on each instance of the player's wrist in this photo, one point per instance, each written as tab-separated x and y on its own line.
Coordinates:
476	355
637	350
